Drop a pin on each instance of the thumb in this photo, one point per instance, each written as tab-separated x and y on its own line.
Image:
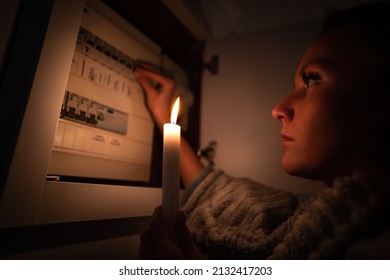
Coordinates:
185	239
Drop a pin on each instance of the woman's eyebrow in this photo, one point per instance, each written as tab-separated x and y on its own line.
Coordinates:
325	63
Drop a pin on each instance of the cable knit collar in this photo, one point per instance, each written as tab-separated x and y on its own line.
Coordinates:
230	217
348	220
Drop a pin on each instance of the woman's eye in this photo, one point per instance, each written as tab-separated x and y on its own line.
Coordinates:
309	79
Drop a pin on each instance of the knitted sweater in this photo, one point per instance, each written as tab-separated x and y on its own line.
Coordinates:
236	218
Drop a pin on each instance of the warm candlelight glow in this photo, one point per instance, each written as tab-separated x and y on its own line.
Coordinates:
175	111
171	170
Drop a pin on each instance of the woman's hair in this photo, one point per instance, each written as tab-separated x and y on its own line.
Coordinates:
372	23
373	17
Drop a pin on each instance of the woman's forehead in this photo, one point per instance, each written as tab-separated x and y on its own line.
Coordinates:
336	50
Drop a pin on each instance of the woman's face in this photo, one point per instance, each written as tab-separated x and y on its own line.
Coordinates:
330	119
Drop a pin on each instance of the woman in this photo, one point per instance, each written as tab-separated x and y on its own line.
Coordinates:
335	125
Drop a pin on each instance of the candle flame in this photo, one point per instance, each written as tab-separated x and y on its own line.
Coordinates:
175	111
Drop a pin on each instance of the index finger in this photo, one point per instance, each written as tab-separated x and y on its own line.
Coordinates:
142	79
154	76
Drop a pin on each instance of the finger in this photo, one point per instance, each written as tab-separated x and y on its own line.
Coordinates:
157	228
154	76
146	248
185	239
165	246
157	82
147	67
145	83
182	230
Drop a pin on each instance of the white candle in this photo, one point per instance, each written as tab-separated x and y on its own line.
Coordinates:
171	170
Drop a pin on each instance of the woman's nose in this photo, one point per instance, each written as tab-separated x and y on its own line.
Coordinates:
283	110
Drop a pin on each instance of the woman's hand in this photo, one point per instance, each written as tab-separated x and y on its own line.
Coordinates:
157	243
159	98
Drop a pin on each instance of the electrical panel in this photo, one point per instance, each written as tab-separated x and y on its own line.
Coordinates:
104	130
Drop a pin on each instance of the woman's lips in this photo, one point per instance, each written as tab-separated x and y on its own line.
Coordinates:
285	138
